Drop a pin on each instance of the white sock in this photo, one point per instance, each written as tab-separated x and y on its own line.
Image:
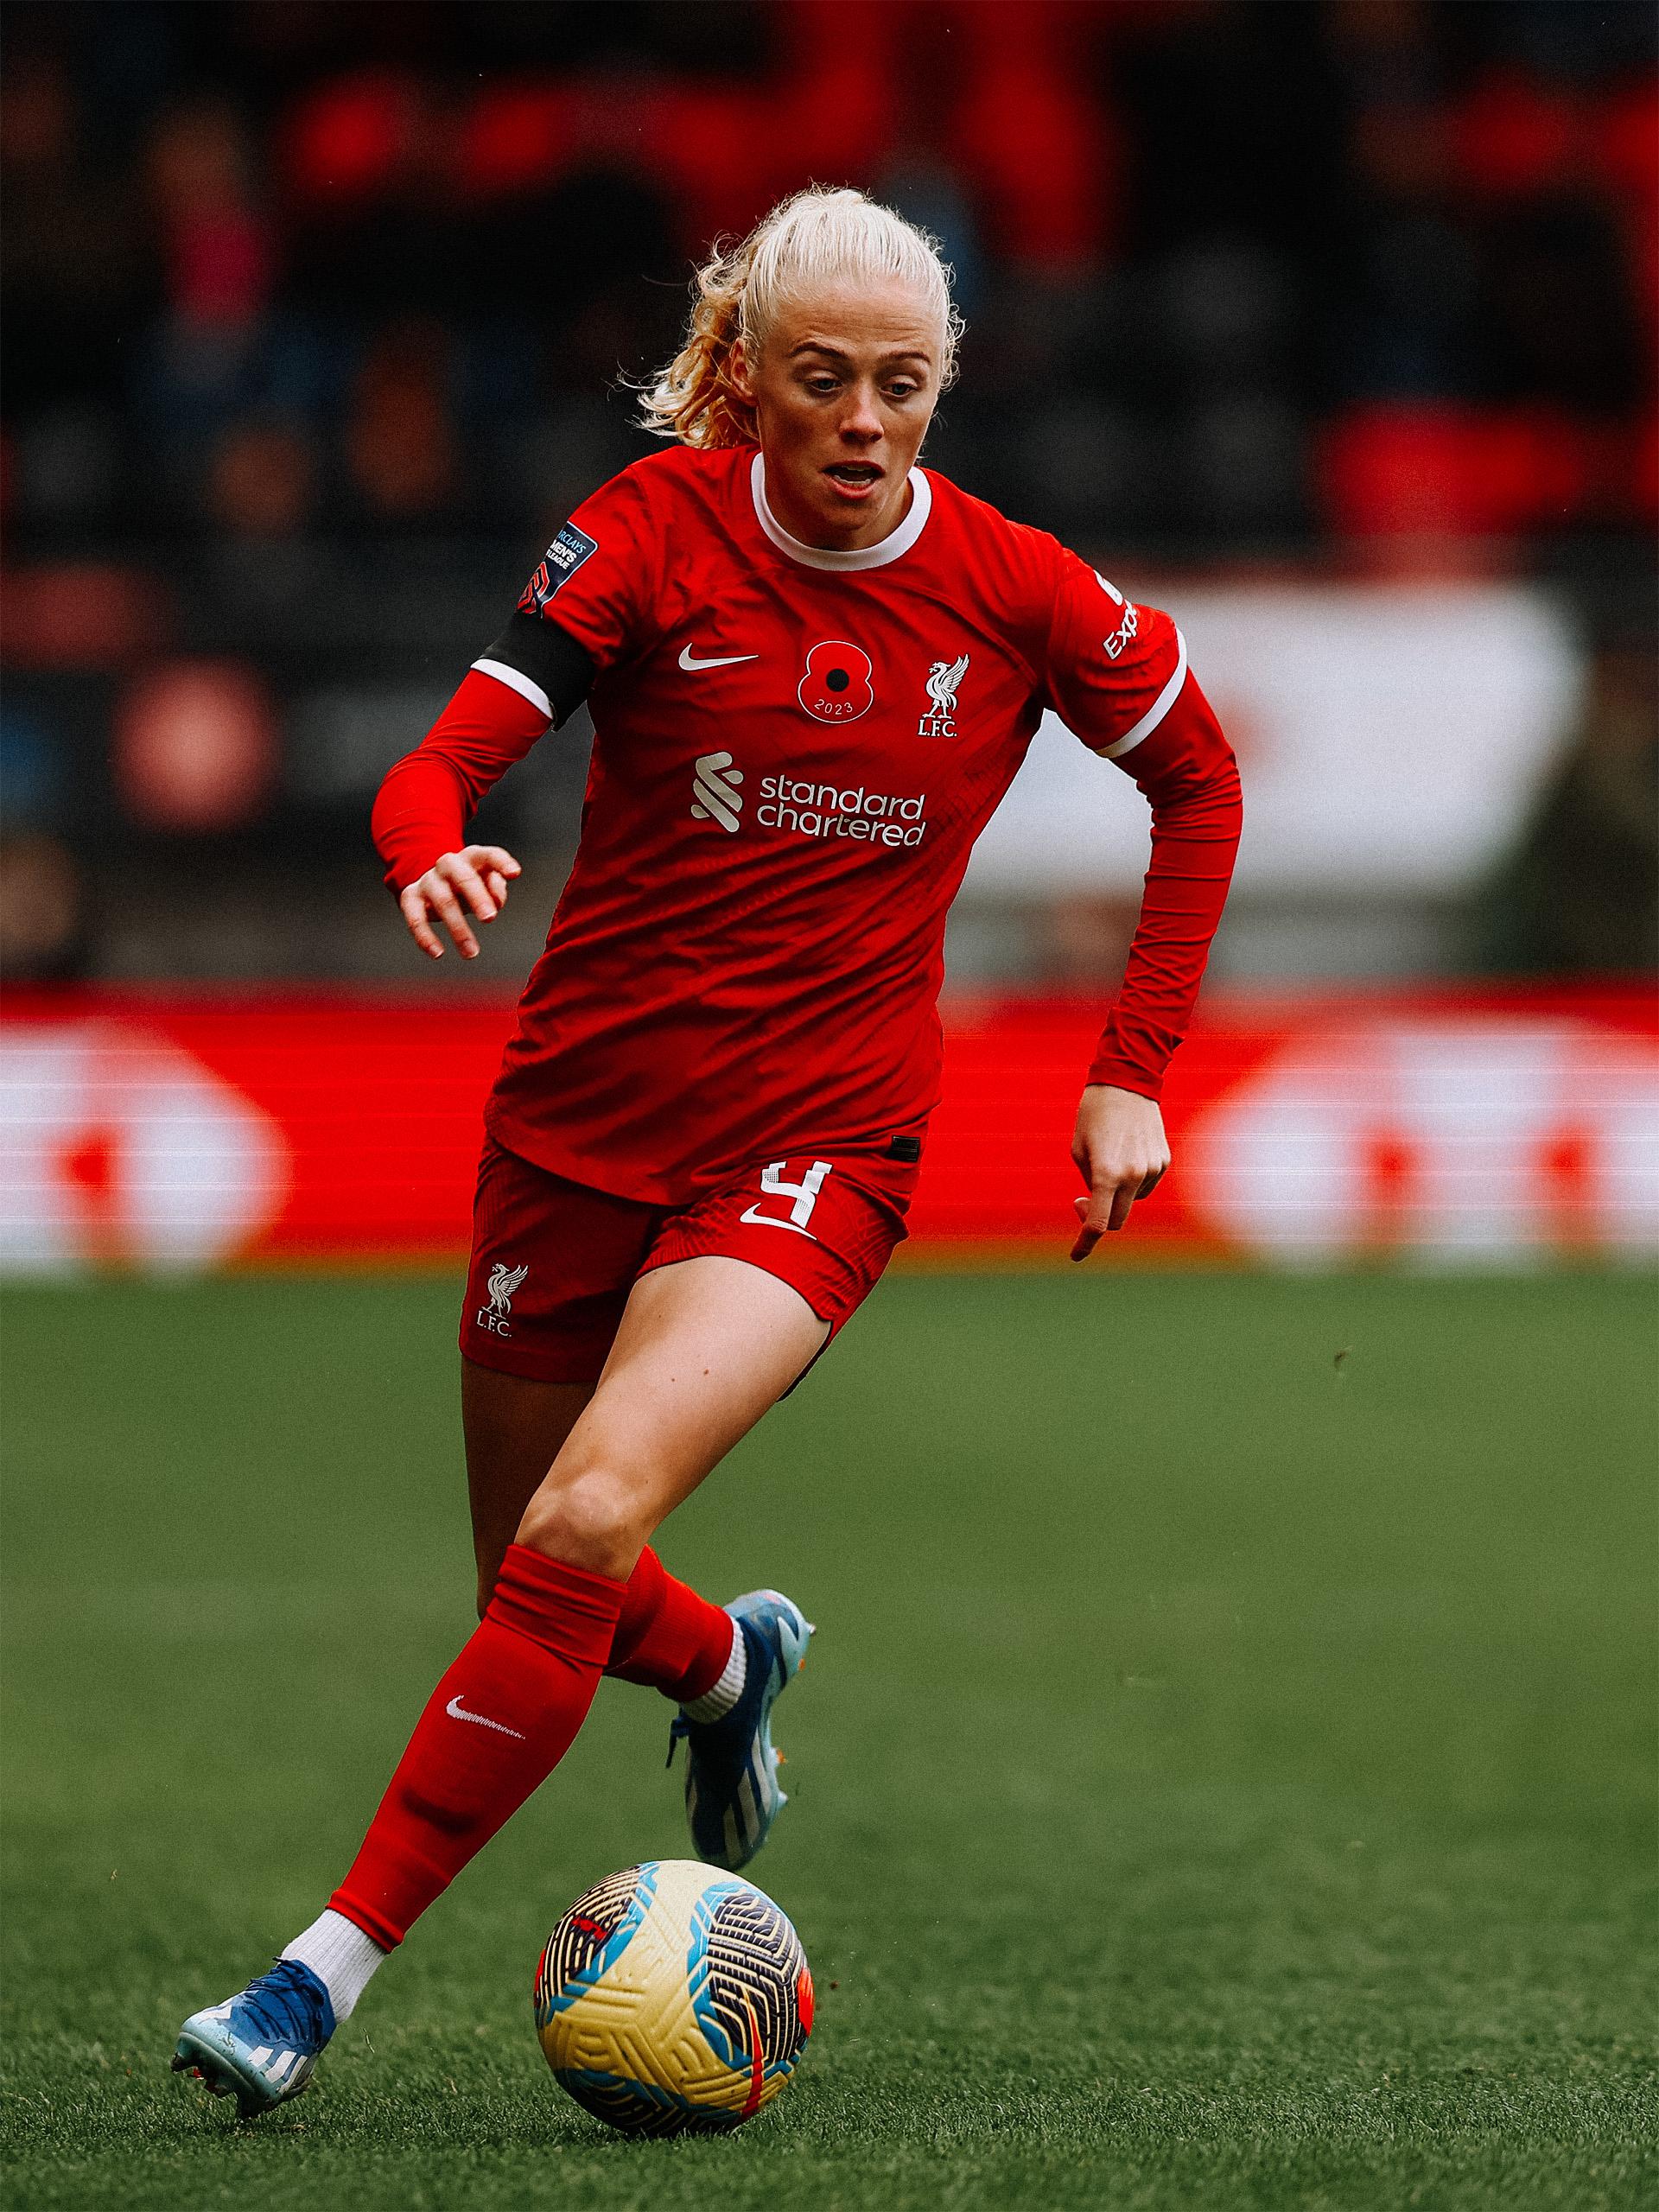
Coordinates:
342	1958
727	1691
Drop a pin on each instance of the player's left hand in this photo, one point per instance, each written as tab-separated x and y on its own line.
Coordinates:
1121	1153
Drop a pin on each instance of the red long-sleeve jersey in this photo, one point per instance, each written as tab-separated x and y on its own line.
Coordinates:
794	750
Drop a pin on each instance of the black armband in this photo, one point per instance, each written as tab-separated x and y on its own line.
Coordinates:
543	663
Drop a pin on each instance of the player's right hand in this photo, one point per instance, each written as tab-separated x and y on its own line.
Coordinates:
476	878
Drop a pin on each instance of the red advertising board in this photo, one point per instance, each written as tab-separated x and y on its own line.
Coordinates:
1490	1125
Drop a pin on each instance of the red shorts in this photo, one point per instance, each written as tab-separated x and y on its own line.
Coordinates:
553	1261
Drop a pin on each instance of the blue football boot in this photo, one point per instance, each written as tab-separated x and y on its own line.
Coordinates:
731	1795
260	2046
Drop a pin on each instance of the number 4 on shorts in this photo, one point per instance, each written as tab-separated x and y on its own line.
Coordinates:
805	1193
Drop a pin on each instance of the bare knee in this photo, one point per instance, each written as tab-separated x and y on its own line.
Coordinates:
515	1429
593	1518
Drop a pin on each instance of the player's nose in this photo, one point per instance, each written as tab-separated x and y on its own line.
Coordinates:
862	420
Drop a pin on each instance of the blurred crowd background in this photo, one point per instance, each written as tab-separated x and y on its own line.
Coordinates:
319	316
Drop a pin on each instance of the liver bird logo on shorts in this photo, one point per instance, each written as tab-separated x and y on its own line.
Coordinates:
943	681
503	1281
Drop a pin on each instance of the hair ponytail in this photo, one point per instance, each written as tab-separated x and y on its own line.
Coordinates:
815	235
694	399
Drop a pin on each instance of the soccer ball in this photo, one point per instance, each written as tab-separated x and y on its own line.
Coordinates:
672	1998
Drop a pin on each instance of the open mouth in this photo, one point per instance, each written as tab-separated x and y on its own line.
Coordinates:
854	476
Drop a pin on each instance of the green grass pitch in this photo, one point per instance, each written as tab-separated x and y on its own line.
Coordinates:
1224	1777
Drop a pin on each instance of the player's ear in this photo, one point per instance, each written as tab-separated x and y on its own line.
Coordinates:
737	370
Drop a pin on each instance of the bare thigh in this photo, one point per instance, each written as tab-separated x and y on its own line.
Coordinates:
706	1345
514	1430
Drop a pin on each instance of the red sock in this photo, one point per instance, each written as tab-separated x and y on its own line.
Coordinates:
668	1637
494	1728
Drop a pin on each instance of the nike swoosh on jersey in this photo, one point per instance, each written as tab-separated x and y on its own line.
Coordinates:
689	661
457	1711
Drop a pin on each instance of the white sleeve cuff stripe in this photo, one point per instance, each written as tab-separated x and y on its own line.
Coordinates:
1155	712
514	681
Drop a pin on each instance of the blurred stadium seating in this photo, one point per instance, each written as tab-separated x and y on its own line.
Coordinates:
1332	325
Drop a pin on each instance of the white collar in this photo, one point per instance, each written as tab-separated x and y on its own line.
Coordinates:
896	542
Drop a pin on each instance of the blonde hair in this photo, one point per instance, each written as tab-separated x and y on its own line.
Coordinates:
814	237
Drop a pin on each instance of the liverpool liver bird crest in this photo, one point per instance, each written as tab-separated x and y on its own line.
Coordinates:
944	681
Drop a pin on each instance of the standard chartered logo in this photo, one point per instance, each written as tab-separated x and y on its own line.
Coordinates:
807	809
715	797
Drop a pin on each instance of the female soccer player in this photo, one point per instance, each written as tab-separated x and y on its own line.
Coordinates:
813	669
